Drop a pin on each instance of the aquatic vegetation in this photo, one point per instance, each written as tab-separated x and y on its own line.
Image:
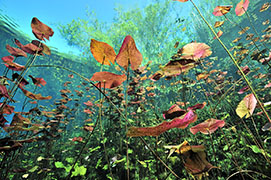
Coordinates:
101	126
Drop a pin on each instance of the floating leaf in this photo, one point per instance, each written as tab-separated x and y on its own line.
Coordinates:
34	96
41	30
197	106
14	66
129	54
29	48
195	51
246	106
38	81
15	51
7	109
102	52
3	91
208	126
241	7
188	118
218	24
22	80
267	127
265	6
108	79
7	58
45	49
219	33
221	10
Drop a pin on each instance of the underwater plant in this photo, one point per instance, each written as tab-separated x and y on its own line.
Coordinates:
124	119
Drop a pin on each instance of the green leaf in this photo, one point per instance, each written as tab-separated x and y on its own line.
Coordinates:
33	169
255	149
40	158
59	164
105	167
79	170
142	163
69	160
94	149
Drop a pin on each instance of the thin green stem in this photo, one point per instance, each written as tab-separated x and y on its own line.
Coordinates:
235	63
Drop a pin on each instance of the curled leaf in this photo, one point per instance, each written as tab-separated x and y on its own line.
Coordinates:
188	118
208	126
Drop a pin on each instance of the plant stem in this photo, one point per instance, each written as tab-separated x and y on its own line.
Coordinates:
235	63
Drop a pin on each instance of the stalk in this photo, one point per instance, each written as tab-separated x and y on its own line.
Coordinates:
235	63
67	69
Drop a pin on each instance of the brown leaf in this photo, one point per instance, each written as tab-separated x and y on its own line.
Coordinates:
41	30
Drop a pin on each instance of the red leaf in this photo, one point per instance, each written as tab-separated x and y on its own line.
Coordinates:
15	51
29	48
7	109
208	126
78	139
221	10
7	58
165	126
88	103
244	89
173	112
3	91
14	66
41	30
108	79
241	7
197	106
38	81
88	128
129	54
2	121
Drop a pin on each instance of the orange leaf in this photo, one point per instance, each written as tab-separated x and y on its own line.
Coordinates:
108	79
102	52
34	96
219	33
129	54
